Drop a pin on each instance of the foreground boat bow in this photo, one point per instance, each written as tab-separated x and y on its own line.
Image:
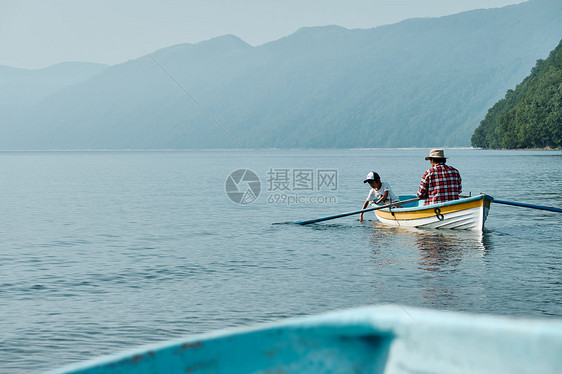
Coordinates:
386	339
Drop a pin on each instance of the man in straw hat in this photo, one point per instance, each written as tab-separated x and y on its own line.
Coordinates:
440	183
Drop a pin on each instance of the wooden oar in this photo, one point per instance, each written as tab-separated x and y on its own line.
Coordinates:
355	212
524	205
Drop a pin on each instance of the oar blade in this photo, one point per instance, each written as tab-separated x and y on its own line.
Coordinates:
525	205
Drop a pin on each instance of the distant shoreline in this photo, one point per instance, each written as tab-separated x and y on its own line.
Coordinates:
117	150
521	149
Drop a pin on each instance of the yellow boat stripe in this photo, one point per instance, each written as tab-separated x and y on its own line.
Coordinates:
429	211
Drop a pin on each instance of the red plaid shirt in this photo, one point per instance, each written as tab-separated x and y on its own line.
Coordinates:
439	184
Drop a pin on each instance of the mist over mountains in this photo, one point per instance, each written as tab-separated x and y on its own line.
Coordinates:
417	83
22	89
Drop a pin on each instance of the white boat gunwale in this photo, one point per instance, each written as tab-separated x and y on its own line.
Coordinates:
420	203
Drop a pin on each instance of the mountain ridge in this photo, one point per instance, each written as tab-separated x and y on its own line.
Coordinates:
419	82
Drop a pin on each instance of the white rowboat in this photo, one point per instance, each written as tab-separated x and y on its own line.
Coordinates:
467	213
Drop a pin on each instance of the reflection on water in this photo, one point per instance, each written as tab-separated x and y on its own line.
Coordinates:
439	250
442	253
444	268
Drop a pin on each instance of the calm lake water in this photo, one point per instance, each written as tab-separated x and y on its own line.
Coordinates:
104	251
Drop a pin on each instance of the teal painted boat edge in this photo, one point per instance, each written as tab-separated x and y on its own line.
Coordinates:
297	345
379	339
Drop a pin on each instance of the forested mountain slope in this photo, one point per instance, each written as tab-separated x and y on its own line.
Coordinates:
529	116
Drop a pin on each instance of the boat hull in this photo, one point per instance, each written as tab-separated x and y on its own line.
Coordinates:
371	340
464	214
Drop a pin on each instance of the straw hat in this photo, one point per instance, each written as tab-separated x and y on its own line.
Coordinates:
436	153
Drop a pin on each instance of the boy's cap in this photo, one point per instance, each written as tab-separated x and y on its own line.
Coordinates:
371	177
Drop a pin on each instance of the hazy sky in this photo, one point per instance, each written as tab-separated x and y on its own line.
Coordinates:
39	33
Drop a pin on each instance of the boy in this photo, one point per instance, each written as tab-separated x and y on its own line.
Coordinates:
380	192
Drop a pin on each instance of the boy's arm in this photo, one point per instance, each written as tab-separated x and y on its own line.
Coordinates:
364	207
383	198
